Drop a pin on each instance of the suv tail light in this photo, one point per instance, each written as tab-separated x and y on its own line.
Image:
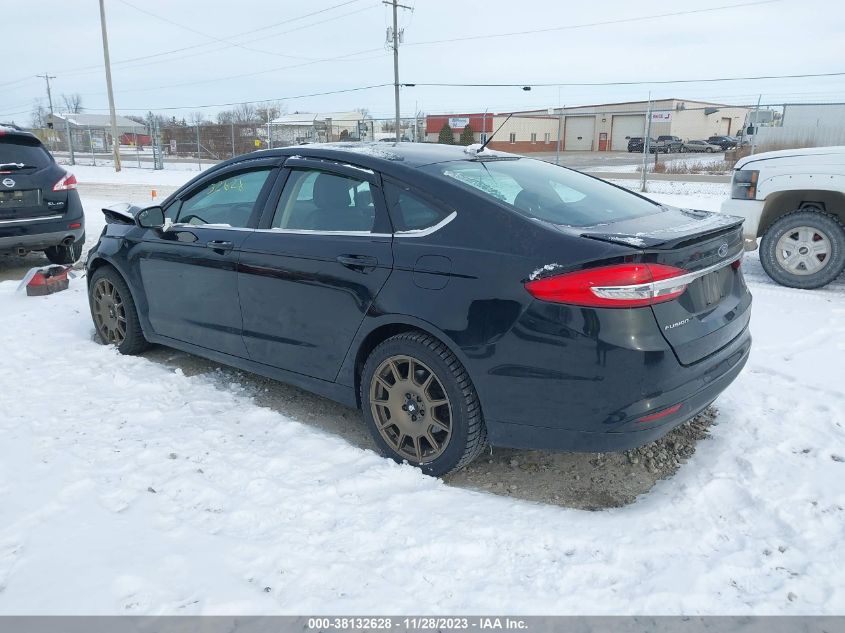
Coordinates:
617	286
68	181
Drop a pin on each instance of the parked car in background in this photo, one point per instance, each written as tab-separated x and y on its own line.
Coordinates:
725	142
582	317
701	146
667	144
635	143
794	202
40	209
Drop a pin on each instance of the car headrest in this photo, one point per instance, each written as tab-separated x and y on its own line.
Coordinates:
331	191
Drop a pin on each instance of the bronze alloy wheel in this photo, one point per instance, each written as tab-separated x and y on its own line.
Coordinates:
411	409
109	312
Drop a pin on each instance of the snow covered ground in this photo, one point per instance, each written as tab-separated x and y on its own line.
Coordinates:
127	487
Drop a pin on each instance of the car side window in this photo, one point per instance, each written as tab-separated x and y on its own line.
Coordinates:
227	201
412	212
315	200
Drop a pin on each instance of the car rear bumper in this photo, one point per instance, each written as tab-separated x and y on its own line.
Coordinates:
45	231
704	386
578	379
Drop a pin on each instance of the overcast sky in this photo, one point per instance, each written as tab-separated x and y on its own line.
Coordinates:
257	49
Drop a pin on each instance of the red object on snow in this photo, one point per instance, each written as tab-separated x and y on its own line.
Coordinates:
47	281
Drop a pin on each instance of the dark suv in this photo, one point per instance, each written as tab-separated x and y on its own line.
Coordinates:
725	142
40	209
635	143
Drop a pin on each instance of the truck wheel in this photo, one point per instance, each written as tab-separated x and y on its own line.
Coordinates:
66	255
804	249
420	404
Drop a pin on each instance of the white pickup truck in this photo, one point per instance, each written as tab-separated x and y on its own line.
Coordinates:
794	200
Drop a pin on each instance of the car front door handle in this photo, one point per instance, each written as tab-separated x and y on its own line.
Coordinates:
220	245
358	262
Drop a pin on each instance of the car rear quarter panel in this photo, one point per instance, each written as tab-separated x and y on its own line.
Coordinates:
485	256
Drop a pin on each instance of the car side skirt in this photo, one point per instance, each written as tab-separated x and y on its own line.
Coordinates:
332	390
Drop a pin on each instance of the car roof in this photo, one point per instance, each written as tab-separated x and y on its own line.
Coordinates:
15	132
379	155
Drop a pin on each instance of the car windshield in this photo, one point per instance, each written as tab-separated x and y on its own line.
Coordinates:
547	192
23	151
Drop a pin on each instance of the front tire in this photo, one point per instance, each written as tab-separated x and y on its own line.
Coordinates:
804	249
420	404
113	311
66	255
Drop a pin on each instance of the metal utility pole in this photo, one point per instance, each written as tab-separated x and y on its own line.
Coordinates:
47	77
70	143
756	126
395	37
646	143
115	142
559	126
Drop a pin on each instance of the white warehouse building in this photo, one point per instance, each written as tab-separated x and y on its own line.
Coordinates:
608	126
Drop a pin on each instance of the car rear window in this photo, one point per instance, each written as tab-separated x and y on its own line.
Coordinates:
547	192
23	150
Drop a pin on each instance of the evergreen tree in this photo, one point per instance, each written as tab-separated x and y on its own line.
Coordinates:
467	136
446	136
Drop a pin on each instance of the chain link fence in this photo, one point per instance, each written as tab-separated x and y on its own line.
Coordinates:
172	145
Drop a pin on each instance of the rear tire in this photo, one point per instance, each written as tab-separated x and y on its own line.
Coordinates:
113	312
804	249
420	404
66	255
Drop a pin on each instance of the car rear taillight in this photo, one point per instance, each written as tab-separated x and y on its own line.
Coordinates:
68	181
617	286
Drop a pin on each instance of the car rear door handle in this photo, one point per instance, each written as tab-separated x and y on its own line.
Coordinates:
358	262
220	245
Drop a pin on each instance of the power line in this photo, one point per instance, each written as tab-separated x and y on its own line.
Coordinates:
234	103
244	75
593	24
88	69
230	43
625	83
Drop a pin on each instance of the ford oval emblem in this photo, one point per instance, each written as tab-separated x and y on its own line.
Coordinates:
723	250
8	182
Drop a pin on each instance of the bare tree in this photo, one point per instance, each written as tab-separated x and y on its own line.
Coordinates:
39	115
270	110
245	113
196	118
73	103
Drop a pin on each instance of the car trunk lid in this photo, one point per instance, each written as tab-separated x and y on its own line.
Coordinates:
713	309
23	194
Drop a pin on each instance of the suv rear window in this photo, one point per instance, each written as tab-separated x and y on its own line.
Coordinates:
19	149
547	192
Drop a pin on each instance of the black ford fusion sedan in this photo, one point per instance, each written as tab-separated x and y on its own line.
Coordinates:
459	298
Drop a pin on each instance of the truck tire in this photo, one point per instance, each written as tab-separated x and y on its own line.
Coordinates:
804	249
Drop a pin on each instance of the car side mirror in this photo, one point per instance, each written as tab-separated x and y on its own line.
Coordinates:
150	218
